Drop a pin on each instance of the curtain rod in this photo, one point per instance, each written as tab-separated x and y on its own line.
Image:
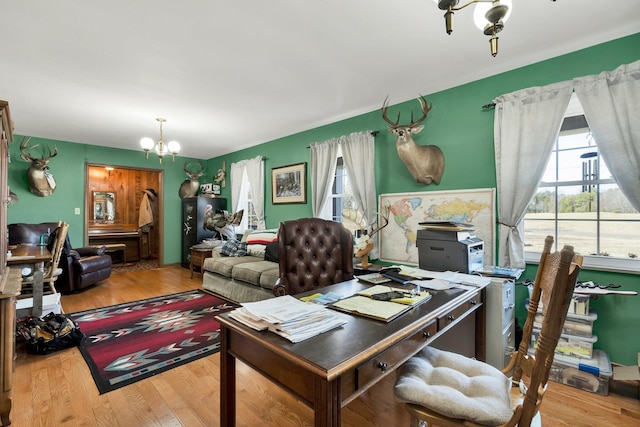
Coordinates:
487	106
374	133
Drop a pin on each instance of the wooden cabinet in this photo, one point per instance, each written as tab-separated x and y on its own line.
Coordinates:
500	321
9	279
194	210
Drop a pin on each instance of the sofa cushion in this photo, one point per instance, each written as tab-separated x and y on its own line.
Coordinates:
224	265
234	248
269	278
251	272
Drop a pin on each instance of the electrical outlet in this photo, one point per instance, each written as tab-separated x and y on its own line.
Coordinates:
77	211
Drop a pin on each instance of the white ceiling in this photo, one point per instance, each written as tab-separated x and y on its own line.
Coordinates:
232	74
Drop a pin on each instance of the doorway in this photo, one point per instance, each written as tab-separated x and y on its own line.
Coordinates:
125	192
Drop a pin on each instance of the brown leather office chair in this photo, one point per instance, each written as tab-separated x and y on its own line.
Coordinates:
312	253
447	389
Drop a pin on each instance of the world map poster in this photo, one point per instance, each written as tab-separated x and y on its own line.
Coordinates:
407	210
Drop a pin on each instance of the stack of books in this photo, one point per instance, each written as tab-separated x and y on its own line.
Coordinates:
288	317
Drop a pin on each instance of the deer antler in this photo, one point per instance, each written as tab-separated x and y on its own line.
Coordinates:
385	216
423	107
28	157
385	104
194	174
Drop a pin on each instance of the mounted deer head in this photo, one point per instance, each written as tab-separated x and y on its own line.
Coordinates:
41	182
190	186
425	162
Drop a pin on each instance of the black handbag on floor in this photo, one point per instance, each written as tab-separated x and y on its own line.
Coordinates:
51	333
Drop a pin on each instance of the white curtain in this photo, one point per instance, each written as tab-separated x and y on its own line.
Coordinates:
527	123
611	103
254	169
237	170
323	168
358	152
255	174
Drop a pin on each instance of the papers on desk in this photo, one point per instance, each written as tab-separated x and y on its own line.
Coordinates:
288	317
450	276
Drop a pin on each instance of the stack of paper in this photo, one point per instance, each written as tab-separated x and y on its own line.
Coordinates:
288	317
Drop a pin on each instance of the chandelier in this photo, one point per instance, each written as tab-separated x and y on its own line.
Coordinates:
490	18
160	148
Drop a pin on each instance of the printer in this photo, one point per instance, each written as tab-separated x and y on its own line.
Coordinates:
448	250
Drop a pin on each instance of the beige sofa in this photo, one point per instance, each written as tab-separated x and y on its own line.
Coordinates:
242	278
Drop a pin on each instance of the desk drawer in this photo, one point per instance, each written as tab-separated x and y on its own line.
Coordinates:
388	359
453	315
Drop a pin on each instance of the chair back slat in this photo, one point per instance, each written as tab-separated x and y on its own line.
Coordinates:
557	282
532	309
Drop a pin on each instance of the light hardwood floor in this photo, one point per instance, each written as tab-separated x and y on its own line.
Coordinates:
57	389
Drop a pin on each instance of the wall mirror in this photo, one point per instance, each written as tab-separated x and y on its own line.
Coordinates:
104	206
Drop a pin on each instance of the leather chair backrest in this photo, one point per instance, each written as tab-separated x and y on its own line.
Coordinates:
29	233
313	253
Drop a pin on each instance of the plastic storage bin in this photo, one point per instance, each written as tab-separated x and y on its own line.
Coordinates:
570	345
575	324
589	375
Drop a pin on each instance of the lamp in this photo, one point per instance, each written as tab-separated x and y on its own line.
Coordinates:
160	148
490	18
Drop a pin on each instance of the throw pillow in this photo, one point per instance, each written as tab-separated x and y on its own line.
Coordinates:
262	237
256	250
234	248
271	252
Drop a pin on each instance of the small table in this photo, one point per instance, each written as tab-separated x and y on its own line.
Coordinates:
198	255
34	256
117	247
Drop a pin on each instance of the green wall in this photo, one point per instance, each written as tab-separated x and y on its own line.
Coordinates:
464	132
68	169
457	124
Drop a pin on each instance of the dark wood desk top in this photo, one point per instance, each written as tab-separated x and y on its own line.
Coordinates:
22	254
359	339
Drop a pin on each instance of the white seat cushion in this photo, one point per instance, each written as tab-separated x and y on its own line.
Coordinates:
455	386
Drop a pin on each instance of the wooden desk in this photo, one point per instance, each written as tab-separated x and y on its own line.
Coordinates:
330	370
34	256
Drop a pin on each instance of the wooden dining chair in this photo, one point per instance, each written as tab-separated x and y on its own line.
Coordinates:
446	389
51	268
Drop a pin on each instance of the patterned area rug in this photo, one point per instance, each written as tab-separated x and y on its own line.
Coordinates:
129	342
150	264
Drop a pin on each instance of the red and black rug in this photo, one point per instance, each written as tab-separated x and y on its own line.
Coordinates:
129	342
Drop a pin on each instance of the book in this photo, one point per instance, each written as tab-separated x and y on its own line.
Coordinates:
385	311
373	278
504	272
407	297
446	225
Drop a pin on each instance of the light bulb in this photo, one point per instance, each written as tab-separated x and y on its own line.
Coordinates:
174	147
147	143
481	9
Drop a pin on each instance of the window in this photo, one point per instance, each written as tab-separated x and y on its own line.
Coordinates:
249	218
579	203
343	206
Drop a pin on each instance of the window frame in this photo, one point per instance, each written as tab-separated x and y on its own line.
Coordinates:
575	123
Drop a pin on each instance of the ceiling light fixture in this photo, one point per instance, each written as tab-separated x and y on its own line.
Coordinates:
490	18
160	148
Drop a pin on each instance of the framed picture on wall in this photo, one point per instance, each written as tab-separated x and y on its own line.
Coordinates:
289	184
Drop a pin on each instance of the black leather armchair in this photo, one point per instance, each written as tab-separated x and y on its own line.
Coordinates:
313	253
81	267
